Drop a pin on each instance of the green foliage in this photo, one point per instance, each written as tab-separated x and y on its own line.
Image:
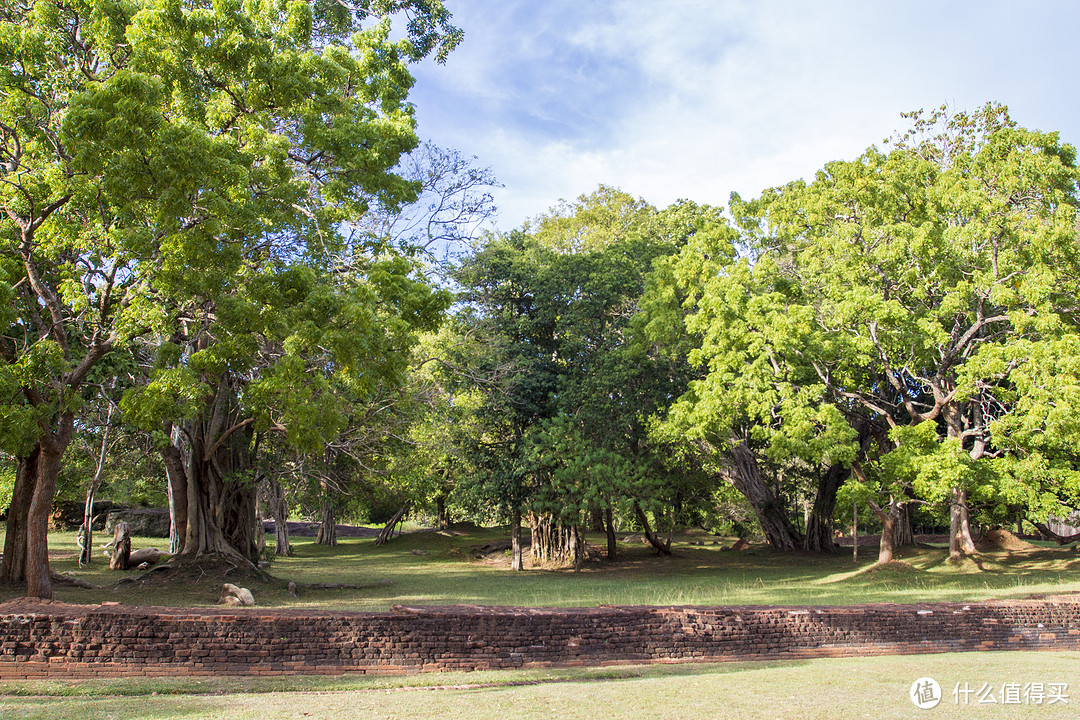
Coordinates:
922	296
7	481
562	393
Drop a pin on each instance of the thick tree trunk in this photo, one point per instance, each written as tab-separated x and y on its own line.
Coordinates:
516	562
960	542
13	566
555	544
779	532
38	578
609	526
327	534
274	502
221	492
905	526
887	545
889	519
664	548
596	520
442	517
177	488
819	523
121	548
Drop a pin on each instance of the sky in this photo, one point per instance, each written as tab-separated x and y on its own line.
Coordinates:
695	99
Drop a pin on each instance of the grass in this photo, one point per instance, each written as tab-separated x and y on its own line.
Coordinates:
428	568
841	689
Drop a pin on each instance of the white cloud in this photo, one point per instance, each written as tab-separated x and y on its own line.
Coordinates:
696	99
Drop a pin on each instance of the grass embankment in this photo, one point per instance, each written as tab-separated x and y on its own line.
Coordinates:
838	689
429	568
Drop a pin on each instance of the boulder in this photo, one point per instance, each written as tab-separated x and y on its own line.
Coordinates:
68	514
142	522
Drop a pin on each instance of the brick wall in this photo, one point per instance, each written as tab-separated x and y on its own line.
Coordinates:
48	639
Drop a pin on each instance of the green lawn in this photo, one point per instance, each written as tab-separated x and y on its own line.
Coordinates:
430	568
443	571
837	689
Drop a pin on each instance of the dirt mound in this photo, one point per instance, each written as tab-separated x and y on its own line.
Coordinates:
893	567
1002	540
209	572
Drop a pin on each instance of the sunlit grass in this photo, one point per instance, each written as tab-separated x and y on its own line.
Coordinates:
427	568
834	688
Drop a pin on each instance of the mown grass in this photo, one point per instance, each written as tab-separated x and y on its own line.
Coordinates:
428	568
840	689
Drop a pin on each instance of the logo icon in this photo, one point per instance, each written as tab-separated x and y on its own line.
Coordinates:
925	693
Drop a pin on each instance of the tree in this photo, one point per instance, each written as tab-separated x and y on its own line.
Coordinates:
564	428
154	154
908	294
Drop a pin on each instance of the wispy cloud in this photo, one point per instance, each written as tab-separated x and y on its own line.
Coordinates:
700	98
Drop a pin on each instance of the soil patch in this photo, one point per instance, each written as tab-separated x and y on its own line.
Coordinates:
1002	539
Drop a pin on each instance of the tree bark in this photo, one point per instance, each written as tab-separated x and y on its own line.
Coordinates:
327	534
769	509
554	543
888	518
905	526
515	541
13	566
38	576
442	517
387	532
221	492
177	486
1051	535
819	524
274	502
612	543
960	542
121	548
664	548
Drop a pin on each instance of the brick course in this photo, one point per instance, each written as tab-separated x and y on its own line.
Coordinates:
50	639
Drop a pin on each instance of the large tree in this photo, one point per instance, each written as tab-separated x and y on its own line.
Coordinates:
564	440
156	158
915	294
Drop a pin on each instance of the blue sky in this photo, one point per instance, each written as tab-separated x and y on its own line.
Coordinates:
696	98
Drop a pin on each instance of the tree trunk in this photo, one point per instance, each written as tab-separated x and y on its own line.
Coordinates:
38	578
596	519
177	488
960	542
889	519
442	518
221	492
819	523
664	548
887	546
515	541
905	526
609	526
387	533
121	547
555	544
13	565
328	524
768	507
274	501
